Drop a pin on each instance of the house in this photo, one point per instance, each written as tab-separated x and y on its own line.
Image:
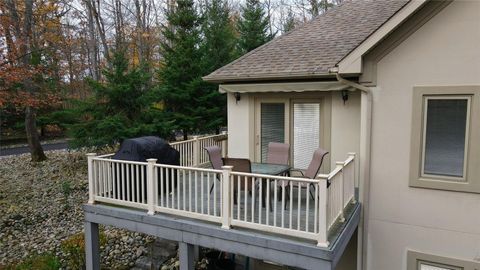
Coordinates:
390	88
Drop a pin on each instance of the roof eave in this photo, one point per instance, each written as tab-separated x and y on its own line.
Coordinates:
268	77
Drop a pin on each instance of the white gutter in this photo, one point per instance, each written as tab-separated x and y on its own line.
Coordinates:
364	180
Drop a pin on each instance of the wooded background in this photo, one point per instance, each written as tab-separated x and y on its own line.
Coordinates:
105	70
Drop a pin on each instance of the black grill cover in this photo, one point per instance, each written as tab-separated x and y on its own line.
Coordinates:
143	148
140	149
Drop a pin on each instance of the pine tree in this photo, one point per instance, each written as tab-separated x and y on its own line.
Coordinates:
121	108
181	74
218	49
253	26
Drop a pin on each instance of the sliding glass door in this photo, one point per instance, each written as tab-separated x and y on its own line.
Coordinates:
272	125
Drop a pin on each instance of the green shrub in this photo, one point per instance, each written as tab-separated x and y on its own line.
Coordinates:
74	248
45	261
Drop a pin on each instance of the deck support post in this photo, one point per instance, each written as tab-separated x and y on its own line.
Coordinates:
355	182
186	256
322	240
151	190
226	196
92	246
91	183
196	151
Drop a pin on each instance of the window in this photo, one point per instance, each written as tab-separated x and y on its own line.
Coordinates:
422	261
445	136
306	133
445	133
272	121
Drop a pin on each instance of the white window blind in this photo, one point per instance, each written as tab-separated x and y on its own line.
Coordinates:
445	136
306	133
272	125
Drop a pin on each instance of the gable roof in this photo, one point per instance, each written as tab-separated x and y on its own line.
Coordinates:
313	48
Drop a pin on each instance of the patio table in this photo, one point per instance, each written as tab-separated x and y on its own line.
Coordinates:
270	169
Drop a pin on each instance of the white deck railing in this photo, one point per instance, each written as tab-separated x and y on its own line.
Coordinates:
299	207
192	153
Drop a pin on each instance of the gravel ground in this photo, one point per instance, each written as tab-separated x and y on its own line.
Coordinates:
40	206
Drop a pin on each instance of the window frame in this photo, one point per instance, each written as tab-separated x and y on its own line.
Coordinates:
467	183
415	258
427	98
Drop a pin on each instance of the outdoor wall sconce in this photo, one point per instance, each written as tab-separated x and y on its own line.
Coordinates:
237	97
344	96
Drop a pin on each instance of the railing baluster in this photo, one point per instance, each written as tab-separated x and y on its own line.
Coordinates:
201	193
189	190
238	197
291	205
267	202
143	184
177	186
315	220
184	183
208	193
137	173
275	203
283	203
215	195
162	190
261	201
123	181
299	204
307	208
115	180
245	199
253	199
196	191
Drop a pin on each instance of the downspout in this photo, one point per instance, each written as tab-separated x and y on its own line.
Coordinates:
365	153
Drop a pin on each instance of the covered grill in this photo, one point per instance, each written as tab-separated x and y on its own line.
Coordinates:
143	148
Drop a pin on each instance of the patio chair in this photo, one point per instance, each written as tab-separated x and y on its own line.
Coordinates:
216	160
240	165
313	167
278	153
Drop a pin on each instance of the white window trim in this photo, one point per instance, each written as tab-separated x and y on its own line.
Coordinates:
424	135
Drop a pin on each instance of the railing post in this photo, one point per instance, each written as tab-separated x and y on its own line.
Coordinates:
226	197
224	145
151	185
196	151
322	240
91	180
354	155
341	165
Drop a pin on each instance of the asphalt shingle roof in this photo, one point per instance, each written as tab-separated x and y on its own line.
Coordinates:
314	47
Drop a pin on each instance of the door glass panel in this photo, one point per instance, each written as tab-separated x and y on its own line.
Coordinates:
306	133
272	121
445	129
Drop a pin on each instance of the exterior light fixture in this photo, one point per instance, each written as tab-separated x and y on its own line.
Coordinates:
237	97
344	96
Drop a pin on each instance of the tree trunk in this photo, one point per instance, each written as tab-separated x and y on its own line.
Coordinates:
36	149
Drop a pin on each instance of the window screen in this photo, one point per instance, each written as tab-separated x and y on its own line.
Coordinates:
445	130
272	125
306	133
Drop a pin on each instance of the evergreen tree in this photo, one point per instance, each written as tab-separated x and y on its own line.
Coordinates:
181	75
290	22
121	108
253	26
218	49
